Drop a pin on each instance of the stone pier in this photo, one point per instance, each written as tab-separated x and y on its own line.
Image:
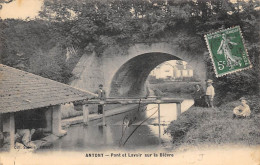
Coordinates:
56	121
9	128
53	121
85	109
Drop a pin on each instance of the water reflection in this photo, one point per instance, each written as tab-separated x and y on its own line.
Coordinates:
122	129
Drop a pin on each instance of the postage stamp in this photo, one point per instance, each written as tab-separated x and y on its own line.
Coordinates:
227	51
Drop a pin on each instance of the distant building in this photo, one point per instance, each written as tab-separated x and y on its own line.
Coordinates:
172	70
182	71
163	71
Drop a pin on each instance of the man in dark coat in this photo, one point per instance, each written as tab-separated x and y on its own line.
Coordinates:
102	96
198	96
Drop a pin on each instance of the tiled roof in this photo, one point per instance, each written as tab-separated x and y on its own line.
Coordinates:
20	90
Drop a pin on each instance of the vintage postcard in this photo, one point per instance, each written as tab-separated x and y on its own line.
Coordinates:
129	82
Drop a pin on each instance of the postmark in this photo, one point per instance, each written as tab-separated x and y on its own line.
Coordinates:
227	51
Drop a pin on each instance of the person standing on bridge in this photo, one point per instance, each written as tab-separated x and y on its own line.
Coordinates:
102	96
210	93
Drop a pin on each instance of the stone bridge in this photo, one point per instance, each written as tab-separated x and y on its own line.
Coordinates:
125	75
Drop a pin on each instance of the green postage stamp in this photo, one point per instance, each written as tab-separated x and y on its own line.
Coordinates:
227	51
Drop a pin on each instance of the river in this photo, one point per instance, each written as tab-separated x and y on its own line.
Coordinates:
136	129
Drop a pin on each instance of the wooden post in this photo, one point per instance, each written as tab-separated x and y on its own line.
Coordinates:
104	134
102	102
56	121
85	114
9	128
104	117
178	110
84	108
48	116
159	123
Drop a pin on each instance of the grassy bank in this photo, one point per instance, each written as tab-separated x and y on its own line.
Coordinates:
216	126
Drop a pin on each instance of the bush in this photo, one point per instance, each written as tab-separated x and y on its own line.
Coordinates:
174	89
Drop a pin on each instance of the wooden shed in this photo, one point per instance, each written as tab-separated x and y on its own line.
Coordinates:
23	91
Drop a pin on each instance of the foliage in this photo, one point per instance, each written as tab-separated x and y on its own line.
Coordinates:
35	46
4	1
40	45
236	85
174	89
120	22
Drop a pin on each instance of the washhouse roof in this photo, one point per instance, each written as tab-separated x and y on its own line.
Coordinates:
20	90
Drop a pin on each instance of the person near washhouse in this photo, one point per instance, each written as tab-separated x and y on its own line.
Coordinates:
101	94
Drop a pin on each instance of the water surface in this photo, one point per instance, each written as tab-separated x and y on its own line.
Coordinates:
136	129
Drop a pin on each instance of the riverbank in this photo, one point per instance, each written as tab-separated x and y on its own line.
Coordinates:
215	126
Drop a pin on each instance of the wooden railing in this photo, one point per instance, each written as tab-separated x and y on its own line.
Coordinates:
128	100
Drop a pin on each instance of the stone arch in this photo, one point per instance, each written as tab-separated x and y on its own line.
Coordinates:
125	75
130	78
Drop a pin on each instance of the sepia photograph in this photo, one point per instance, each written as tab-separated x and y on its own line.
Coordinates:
124	82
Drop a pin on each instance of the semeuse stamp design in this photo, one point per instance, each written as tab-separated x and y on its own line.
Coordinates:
227	51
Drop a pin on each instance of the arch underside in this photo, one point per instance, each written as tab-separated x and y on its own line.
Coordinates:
129	80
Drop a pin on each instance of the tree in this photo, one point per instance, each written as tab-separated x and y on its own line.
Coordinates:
96	25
